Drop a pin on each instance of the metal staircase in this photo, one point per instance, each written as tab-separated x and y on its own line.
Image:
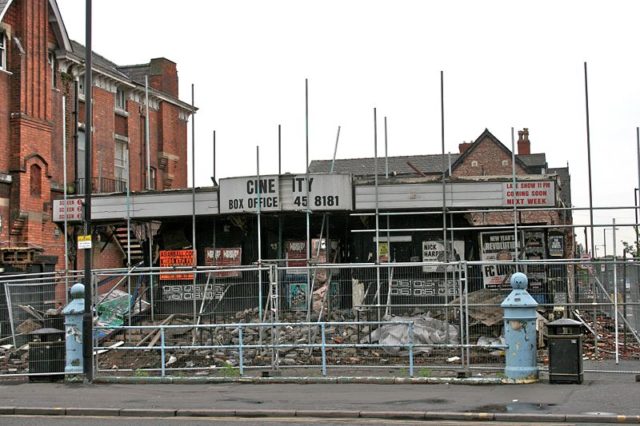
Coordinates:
132	243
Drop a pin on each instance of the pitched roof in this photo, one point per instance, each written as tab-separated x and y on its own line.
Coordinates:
486	135
58	26
99	61
3	7
534	160
427	164
129	74
136	72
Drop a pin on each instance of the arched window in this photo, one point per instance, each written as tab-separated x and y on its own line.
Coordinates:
35	184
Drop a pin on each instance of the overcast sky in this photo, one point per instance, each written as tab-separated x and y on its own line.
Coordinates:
506	64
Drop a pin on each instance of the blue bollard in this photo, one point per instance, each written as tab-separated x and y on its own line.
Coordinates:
520	331
73	313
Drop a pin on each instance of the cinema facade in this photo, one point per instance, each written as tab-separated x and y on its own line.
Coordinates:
407	212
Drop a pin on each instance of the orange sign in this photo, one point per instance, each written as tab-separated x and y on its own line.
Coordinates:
170	258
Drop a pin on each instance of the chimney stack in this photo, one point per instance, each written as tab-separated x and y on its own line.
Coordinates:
524	145
464	146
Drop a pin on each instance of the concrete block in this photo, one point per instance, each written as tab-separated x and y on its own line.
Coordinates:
213	412
86	411
265	413
40	411
596	418
147	412
398	415
329	414
528	417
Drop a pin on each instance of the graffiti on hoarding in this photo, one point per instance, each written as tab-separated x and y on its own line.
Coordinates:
184	292
422	288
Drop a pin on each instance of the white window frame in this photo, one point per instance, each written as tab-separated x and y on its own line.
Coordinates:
120	161
3	50
120	99
154	178
53	62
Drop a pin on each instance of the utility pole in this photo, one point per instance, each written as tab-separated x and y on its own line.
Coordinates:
87	323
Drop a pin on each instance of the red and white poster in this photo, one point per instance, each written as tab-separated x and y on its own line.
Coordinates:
229	256
296	255
529	194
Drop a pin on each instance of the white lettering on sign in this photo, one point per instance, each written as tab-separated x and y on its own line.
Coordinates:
73	209
424	287
184	292
529	194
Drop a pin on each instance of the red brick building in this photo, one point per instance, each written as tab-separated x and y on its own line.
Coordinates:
39	67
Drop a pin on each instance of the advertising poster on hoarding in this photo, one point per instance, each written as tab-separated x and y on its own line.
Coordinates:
230	256
534	249
433	251
298	296
497	246
296	256
383	252
556	245
170	258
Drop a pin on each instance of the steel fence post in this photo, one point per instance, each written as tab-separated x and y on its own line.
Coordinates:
411	349
324	350
162	350
240	351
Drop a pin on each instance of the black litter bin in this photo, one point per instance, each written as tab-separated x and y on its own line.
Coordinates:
46	355
565	351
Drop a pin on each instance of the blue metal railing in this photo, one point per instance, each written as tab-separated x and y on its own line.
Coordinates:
241	346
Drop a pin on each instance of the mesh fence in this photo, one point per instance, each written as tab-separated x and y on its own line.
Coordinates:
31	326
325	319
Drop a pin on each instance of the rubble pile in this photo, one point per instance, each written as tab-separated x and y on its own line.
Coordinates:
14	361
426	331
628	348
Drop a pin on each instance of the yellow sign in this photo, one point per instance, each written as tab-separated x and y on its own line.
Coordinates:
383	252
84	242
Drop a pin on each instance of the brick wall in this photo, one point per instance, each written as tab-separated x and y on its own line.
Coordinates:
31	133
489	157
103	257
164	76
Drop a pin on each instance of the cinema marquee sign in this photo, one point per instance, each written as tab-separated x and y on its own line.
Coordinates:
320	192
